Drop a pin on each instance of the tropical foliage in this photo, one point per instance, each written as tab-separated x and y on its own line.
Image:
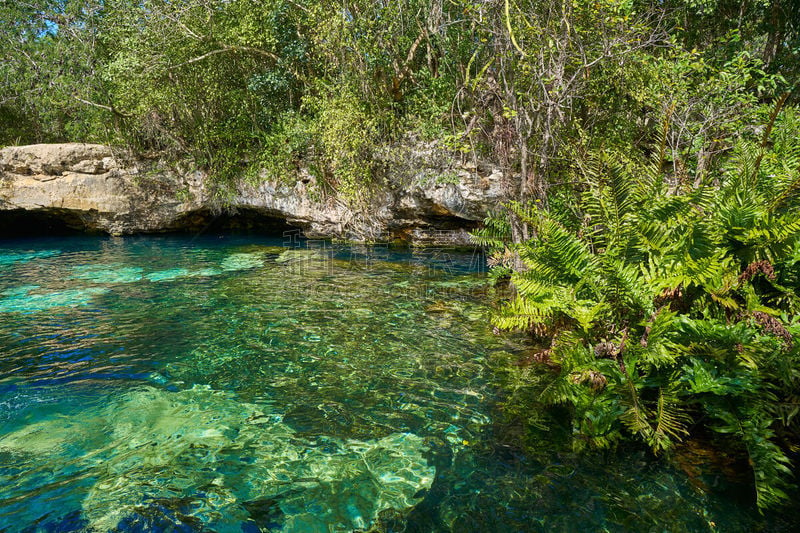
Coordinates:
241	85
662	307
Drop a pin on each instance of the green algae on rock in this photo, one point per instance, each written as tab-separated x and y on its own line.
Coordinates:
242	261
300	255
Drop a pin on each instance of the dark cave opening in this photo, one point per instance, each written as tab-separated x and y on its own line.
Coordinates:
51	222
239	220
21	223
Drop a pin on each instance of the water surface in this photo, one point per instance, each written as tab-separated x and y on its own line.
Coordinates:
232	383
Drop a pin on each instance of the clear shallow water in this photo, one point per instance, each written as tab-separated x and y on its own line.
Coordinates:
241	384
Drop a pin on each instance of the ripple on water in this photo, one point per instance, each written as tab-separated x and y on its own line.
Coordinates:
10	258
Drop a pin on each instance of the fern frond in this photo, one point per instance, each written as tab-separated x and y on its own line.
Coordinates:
671	421
636	417
495	233
771	467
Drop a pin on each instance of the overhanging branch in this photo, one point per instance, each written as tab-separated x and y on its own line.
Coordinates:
110	108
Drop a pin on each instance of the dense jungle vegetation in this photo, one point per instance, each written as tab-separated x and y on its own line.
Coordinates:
650	149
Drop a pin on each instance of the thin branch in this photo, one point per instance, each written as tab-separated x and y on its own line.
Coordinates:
186	29
102	106
225	49
299	5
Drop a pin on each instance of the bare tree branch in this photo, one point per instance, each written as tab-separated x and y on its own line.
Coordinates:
112	109
226	49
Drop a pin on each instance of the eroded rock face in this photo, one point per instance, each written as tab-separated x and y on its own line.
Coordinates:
86	186
50	160
91	188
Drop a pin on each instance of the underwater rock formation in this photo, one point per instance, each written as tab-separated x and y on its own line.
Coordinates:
221	463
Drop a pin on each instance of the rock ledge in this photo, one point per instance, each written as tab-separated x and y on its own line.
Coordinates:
91	188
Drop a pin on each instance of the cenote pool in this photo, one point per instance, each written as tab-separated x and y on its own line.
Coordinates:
238	383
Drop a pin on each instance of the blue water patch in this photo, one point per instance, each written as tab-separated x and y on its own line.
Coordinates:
10	257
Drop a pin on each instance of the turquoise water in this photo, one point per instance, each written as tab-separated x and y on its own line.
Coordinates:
233	383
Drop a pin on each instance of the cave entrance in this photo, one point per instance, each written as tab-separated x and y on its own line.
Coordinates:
21	223
240	220
53	222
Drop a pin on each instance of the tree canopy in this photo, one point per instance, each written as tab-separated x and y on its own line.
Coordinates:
530	85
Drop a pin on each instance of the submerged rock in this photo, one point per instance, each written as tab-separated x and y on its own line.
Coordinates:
242	261
23	300
300	255
203	446
108	273
169	274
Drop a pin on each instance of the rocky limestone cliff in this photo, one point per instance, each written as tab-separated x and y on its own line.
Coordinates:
89	187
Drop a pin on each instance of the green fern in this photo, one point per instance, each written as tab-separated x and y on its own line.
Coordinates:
665	308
